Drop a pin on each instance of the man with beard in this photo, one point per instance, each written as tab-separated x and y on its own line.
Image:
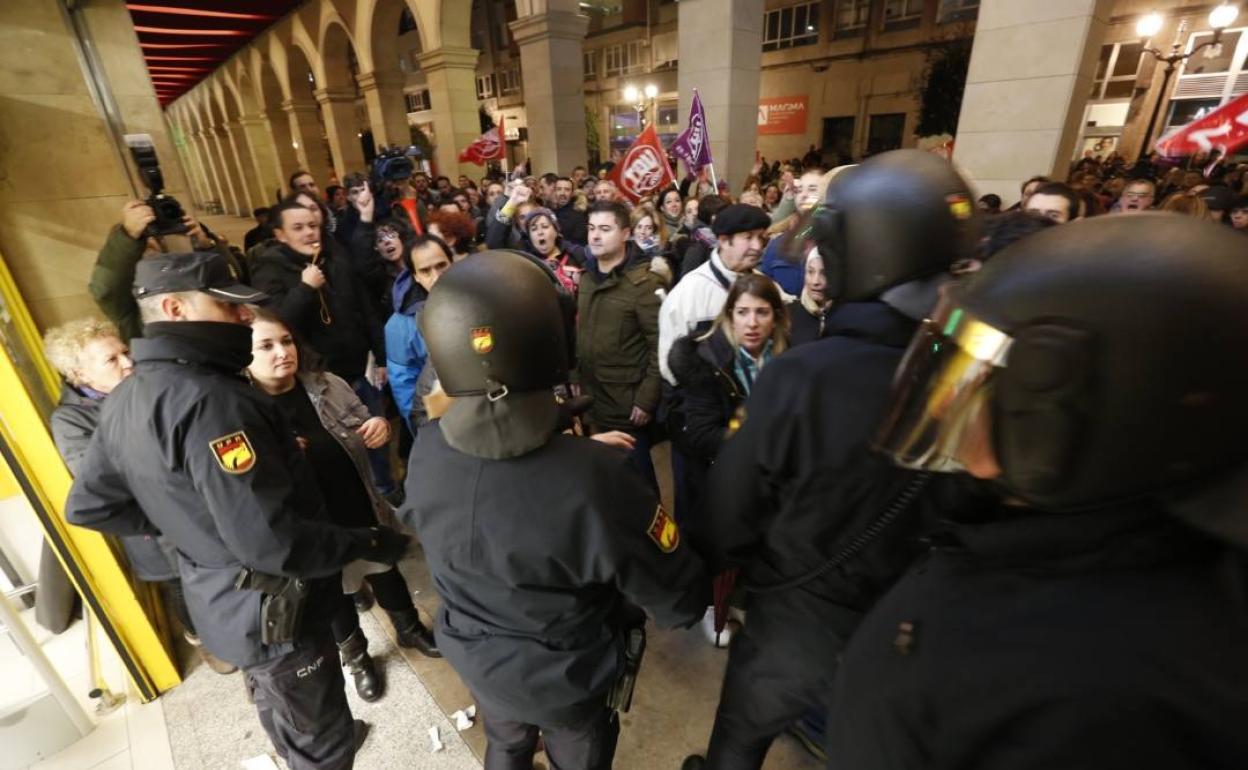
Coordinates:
741	232
572	223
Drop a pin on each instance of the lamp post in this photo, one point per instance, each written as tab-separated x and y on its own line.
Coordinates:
641	100
1219	19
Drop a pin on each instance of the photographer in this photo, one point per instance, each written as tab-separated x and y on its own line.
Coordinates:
113	273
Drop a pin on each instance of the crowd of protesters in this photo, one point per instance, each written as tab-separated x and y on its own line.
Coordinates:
681	298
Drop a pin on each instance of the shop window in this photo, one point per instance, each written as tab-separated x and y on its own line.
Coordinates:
1116	71
850	17
1184	111
789	27
668	126
885	132
625	125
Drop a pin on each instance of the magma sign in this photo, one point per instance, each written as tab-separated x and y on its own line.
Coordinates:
783	115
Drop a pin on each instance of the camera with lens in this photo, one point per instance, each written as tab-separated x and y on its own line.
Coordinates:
169	212
394	164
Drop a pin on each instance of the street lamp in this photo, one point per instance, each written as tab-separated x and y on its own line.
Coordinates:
641	100
1219	19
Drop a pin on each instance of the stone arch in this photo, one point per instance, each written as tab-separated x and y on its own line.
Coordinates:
249	136
271	106
381	79
306	118
227	167
337	91
197	108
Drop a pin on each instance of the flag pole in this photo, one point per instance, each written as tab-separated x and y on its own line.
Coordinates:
714	181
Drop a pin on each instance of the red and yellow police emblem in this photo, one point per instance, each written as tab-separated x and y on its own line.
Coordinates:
482	340
960	206
663	531
234	453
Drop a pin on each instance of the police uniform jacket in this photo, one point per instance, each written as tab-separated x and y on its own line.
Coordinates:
73	423
533	558
185	447
1103	640
798	482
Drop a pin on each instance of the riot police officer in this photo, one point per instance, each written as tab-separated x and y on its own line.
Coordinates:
818	525
1090	612
213	467
540	543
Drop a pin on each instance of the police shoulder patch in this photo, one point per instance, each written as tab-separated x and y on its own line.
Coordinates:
233	452
663	530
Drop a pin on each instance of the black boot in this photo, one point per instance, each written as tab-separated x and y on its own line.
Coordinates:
354	654
363	599
693	762
412	633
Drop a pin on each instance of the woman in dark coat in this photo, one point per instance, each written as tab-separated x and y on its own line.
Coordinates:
716	372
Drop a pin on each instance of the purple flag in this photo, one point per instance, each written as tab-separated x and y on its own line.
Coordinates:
693	146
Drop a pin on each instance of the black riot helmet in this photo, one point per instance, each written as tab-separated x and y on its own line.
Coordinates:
495	323
897	217
1102	360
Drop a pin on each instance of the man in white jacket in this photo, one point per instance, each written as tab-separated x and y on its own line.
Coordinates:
699	296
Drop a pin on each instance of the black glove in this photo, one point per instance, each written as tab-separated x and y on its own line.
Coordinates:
385	545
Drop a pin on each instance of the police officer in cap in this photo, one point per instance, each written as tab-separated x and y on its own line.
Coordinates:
540	543
1090	612
187	449
818	525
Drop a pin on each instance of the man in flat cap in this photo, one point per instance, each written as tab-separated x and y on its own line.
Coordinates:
694	302
187	449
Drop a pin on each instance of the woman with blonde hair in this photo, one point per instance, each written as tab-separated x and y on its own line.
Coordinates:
1187	205
93	360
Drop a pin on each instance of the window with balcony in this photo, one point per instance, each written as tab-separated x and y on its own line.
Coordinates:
902	14
850	17
486	86
957	10
1117	70
589	63
418	101
790	27
509	81
623	59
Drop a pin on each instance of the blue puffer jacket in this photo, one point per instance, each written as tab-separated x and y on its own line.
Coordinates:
406	352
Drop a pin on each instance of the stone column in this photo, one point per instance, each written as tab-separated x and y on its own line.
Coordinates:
287	154
305	131
721	42
219	140
248	182
266	158
452	80
204	154
554	92
1031	71
387	111
338	111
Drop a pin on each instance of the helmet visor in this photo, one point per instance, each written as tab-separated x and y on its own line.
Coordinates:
941	388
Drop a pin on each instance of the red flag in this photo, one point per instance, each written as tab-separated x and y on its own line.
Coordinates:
488	146
643	169
1225	129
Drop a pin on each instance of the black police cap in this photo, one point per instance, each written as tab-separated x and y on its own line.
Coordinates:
205	271
740	218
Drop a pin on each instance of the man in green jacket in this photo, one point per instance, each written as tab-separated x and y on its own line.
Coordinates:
113	274
618	334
